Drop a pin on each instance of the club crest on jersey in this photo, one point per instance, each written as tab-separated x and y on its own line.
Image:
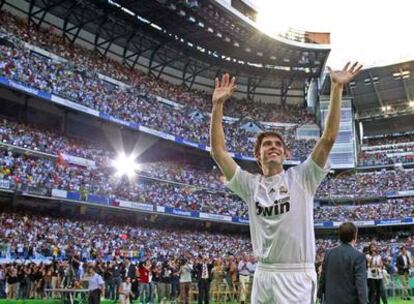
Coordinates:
283	190
280	206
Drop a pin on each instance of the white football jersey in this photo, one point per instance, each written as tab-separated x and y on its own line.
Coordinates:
281	212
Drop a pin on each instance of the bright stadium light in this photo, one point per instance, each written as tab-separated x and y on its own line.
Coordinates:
125	165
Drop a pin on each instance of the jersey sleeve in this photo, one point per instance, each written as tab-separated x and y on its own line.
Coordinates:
242	184
310	175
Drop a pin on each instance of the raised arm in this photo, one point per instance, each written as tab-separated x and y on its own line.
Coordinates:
339	79
223	90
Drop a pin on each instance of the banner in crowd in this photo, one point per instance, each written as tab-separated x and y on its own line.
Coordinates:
401	193
113	81
135	205
73	195
388	222
240	220
35	190
59	193
364	223
169	102
73	105
17	85
4	183
98	199
219	217
45	53
160	209
78	160
180	212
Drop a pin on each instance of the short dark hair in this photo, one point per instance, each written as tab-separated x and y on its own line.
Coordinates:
260	138
347	232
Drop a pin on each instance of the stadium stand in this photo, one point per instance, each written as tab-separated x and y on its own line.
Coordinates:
42	250
171	184
78	81
46	238
387	150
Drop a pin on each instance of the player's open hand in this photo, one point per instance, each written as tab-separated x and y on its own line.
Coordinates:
223	89
345	75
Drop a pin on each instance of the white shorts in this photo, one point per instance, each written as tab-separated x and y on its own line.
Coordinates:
284	284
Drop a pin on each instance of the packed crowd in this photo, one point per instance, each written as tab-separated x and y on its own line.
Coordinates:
42	139
198	189
33	137
366	184
78	81
24	172
31	236
390	140
381	158
387	150
391	208
72	244
168	184
195	99
66	247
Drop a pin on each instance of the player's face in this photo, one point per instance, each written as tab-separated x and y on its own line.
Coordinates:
272	151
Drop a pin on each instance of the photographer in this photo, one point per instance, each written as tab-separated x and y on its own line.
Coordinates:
375	274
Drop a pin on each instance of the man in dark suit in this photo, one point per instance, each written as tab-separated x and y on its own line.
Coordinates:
403	266
203	274
344	271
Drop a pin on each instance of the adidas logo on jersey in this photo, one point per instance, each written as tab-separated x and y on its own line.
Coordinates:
279	207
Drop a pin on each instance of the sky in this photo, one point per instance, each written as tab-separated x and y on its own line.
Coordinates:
372	32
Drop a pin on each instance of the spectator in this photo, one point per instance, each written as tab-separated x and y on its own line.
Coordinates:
96	286
125	291
403	265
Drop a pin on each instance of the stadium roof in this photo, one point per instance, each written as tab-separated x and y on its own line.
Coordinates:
203	40
382	91
383	97
210	25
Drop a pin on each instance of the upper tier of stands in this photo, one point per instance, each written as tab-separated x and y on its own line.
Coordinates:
170	184
77	78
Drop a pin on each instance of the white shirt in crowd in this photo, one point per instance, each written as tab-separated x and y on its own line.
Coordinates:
126	288
95	282
375	270
242	268
204	272
251	267
185	273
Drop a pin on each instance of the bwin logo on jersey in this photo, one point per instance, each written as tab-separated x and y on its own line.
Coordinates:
279	207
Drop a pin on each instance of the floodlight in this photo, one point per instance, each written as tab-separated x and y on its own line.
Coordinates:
125	165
